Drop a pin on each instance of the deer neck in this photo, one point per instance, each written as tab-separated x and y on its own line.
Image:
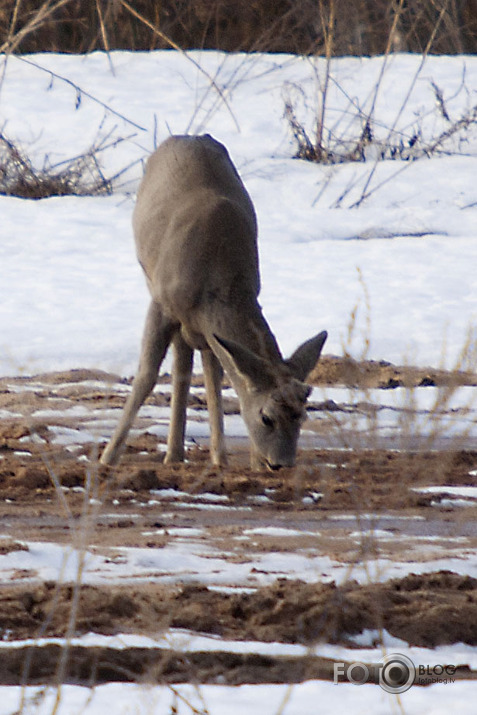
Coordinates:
245	324
242	322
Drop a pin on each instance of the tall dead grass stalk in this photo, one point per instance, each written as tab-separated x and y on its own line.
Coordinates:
361	27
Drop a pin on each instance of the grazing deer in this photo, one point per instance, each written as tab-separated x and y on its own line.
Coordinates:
196	239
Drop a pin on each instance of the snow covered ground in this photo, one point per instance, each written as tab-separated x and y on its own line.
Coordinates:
72	294
304	699
198	560
71	291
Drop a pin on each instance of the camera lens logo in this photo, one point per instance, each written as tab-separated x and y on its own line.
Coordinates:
397	673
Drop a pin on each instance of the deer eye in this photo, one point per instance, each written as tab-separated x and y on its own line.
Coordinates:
267	421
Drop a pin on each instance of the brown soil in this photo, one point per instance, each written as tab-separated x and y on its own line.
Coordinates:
42	502
332	370
427	610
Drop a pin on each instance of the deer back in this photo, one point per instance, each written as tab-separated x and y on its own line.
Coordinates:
195	226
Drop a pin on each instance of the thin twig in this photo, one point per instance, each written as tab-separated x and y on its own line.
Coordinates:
81	92
328	31
175	46
104	36
43	13
365	193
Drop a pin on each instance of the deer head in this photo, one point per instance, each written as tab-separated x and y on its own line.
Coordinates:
272	398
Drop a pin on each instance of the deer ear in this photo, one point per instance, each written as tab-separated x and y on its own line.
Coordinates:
304	359
252	367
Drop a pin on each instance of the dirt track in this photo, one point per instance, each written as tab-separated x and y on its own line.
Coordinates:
43	483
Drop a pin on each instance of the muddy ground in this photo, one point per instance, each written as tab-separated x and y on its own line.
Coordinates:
43	483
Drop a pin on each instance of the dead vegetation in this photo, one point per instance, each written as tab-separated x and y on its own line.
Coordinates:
321	29
359	27
79	176
322	144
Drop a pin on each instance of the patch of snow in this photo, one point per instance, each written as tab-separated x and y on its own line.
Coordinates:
468	492
235	700
278	531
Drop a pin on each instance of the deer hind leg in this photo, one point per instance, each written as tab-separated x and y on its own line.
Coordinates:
181	375
213	374
157	335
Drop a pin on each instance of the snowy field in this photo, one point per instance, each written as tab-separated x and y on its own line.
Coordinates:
305	699
72	294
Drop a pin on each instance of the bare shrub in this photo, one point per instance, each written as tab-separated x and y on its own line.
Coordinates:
79	176
322	145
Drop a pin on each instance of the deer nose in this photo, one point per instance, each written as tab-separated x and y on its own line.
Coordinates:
275	466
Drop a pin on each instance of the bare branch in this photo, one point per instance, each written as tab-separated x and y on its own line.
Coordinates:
81	92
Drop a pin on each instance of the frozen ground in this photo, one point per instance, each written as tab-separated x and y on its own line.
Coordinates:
233	533
296	700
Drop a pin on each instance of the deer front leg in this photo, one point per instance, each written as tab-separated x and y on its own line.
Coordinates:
213	374
181	374
156	338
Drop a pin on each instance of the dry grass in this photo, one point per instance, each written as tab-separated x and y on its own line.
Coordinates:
322	143
326	147
79	176
357	27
